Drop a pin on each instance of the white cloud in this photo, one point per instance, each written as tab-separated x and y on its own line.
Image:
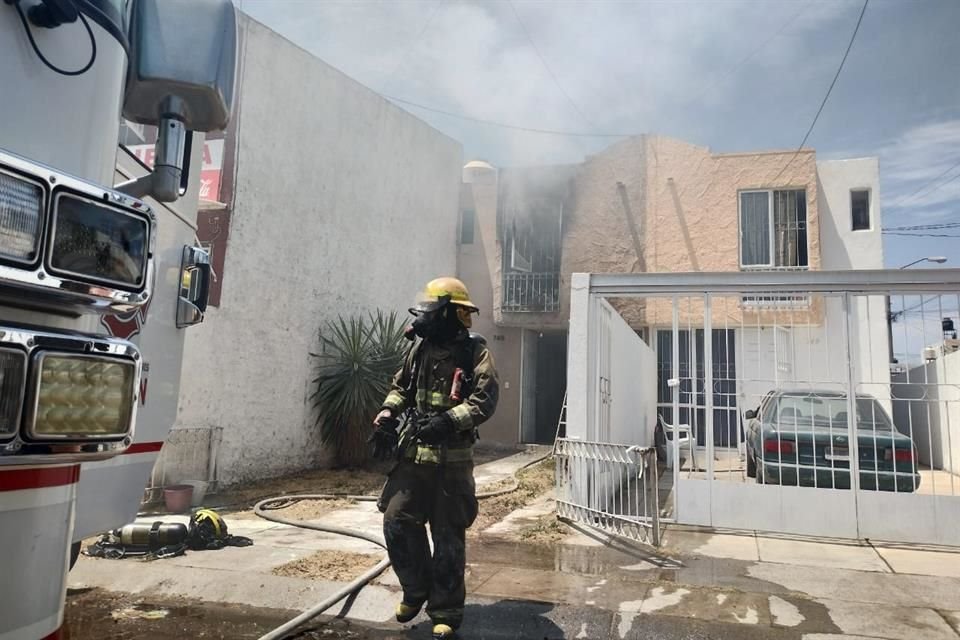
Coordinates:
917	171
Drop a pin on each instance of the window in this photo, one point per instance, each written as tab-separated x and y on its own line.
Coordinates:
773	229
860	209
467	223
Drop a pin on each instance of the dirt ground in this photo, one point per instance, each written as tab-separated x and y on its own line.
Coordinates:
534	482
238	501
341	566
93	614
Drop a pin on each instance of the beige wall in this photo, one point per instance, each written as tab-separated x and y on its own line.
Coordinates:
693	212
646	204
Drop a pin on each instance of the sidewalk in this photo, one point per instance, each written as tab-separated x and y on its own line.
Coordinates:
699	585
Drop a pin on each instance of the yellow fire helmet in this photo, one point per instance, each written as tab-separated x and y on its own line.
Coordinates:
445	290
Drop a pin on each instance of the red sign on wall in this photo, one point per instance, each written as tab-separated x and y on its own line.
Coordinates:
209	174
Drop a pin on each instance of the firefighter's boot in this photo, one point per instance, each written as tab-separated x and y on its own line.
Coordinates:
443	632
407	612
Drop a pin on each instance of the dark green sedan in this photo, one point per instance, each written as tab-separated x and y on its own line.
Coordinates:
800	438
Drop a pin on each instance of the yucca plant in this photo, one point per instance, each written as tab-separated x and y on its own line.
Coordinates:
358	357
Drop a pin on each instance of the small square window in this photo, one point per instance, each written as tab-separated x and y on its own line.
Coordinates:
860	209
466	226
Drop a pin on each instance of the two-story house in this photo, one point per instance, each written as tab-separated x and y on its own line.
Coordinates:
655	204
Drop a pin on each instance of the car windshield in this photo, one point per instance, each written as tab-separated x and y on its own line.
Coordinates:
829	411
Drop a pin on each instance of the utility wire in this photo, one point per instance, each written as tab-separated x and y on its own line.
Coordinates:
720	78
920	235
924	227
515	127
578	134
902	201
836	76
546	66
406	52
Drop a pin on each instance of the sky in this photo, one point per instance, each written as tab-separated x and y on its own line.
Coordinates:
734	75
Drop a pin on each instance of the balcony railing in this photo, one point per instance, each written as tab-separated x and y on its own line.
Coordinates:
531	292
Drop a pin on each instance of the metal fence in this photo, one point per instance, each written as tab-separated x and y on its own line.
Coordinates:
611	487
531	292
840	418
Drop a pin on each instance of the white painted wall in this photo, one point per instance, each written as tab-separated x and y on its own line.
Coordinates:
344	203
602	342
842	248
927	408
633	385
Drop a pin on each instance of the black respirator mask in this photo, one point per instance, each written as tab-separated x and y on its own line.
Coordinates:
431	324
427	325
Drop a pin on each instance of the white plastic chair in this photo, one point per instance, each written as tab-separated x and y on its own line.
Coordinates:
678	436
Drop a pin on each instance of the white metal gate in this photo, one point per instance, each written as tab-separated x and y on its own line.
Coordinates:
828	437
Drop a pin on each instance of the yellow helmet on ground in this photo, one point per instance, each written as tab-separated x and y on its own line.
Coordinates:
446	290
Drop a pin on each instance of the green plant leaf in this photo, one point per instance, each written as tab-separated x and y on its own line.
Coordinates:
359	356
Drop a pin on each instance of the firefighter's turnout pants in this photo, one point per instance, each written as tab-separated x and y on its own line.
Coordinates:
443	496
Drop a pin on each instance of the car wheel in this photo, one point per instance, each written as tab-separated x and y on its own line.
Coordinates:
751	466
74	553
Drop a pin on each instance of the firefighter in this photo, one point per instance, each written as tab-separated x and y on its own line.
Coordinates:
446	388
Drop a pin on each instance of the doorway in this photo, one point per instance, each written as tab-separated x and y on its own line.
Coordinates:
692	376
545	384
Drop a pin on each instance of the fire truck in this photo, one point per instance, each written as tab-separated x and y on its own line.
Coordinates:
100	273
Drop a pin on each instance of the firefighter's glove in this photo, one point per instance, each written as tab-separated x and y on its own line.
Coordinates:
435	429
384	438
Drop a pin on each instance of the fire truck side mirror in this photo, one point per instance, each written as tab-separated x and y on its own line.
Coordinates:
181	78
195	274
183	63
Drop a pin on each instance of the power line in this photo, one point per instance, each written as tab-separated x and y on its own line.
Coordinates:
917	306
924	227
901	201
836	76
920	235
406	53
546	66
504	125
750	55
577	134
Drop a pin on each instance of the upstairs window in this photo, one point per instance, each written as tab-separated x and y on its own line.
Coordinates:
773	229
467	222
860	209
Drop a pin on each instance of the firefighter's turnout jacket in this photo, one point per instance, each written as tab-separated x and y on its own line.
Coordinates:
434	366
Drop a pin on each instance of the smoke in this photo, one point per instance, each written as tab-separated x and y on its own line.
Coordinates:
630	67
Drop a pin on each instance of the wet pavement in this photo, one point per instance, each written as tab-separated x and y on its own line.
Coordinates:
699	585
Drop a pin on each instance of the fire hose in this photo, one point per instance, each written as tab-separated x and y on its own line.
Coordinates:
265	507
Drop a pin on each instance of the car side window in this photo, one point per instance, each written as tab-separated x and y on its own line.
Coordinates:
765	406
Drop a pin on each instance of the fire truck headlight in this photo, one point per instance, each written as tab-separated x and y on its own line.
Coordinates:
21	218
13	368
98	243
80	396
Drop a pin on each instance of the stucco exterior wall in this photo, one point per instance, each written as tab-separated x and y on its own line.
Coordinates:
344	203
479	267
844	248
693	213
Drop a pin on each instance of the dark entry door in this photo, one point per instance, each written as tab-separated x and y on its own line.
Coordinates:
551	384
692	375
